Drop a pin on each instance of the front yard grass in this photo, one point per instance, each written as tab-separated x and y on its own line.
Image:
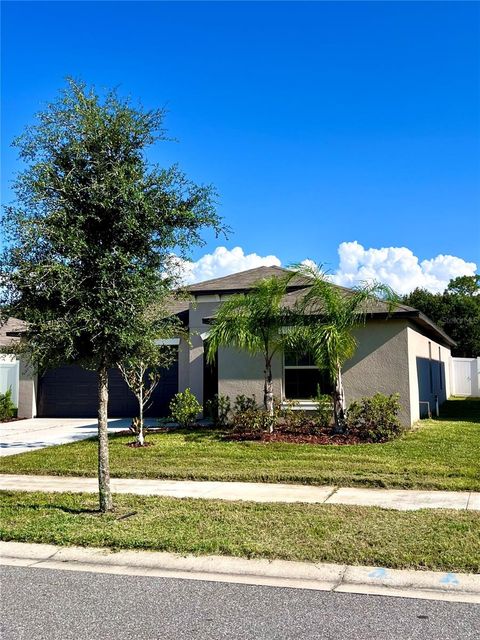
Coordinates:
436	540
436	454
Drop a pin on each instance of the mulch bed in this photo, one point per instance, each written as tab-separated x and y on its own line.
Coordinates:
12	419
137	445
147	430
296	438
321	437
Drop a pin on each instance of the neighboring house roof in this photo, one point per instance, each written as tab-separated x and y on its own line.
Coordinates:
376	309
10	330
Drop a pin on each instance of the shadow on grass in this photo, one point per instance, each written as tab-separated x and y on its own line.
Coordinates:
192	434
461	410
201	434
57	507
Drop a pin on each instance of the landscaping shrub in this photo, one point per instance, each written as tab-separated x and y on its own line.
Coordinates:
375	419
7	408
248	417
184	408
252	421
324	409
295	420
218	408
244	403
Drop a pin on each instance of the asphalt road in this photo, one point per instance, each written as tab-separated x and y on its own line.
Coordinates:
41	604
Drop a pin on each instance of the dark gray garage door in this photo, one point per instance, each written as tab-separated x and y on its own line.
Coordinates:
71	392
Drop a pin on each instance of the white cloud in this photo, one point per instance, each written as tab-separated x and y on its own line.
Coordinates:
223	262
397	267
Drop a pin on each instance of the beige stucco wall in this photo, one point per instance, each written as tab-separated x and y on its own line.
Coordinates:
27	391
240	373
418	352
190	369
385	361
380	364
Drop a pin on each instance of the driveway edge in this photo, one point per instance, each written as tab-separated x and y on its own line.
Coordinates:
430	585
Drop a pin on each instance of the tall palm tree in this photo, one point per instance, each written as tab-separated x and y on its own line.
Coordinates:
254	322
328	315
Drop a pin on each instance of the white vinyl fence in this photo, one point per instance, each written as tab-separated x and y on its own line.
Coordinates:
466	377
9	375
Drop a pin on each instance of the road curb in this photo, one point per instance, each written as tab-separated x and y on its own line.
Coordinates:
431	585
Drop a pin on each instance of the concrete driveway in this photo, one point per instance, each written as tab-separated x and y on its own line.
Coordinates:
28	435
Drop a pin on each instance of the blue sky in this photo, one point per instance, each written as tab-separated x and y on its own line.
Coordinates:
319	123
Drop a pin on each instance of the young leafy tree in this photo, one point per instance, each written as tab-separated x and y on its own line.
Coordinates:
90	234
143	374
328	314
254	322
143	366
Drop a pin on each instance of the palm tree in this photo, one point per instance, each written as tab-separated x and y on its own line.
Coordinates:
328	315
254	322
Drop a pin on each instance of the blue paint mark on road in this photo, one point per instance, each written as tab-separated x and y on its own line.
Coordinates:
450	578
378	573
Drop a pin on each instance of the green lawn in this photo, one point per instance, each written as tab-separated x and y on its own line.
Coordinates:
437	540
437	454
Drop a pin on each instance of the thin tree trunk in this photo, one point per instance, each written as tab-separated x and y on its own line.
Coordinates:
339	406
268	392
140	437
105	495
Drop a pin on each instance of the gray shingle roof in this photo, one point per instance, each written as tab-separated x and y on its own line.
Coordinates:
178	306
373	306
245	280
242	281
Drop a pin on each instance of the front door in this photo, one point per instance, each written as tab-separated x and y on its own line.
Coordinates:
210	380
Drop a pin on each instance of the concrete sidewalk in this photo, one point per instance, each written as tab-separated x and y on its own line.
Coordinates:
399	499
429	585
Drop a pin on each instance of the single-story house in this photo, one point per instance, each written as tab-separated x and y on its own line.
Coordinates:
399	352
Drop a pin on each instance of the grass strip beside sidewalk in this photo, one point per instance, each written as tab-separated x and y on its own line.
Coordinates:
437	540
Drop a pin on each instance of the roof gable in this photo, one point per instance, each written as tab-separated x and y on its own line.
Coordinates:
240	281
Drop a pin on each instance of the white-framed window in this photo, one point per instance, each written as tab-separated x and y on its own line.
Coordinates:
301	378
